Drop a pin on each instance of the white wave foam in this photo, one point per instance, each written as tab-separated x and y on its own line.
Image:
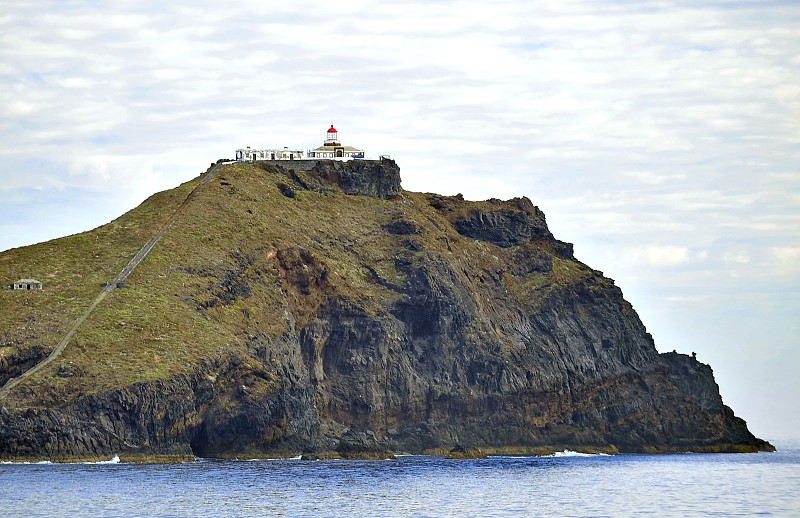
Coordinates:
112	460
25	462
570	453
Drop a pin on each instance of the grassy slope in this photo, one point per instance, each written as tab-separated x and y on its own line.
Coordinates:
72	270
174	311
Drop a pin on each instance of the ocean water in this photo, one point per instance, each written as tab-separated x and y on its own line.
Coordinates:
565	484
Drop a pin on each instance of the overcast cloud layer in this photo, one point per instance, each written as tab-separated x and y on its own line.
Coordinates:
662	138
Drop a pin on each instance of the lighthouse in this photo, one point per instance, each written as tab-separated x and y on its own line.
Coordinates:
333	148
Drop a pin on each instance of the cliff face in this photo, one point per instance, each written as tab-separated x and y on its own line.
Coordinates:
328	310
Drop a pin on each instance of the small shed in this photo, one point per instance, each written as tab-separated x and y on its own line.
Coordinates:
27	284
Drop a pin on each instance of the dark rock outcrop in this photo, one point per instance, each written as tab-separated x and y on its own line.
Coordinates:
20	361
378	178
402	227
369	177
505	228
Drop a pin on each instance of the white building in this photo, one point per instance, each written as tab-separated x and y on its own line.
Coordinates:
332	148
250	155
27	284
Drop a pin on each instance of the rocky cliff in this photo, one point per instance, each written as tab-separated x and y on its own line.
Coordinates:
329	312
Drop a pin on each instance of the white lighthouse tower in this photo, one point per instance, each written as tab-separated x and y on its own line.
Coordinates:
332	138
333	148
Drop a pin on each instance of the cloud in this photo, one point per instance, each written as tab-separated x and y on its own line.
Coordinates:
737	256
787	253
658	255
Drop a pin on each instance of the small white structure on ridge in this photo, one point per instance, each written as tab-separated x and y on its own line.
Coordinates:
27	284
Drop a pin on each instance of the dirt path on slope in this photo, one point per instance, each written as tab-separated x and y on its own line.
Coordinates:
117	282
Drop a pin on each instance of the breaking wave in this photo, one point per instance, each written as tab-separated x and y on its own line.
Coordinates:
570	453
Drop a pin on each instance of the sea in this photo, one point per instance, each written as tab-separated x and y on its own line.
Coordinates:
563	484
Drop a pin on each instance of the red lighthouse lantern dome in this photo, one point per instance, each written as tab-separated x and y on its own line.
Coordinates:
333	135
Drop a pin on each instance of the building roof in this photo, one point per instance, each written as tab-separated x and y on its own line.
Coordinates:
332	130
331	148
28	281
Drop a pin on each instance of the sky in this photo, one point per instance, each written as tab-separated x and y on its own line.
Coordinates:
662	138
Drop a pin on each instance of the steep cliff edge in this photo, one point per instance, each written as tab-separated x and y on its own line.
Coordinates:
290	311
